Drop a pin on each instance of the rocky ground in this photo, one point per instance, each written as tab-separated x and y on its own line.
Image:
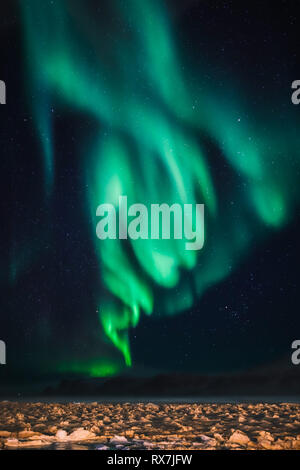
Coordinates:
149	426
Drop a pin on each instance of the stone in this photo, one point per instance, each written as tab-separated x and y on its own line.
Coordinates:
265	444
26	434
12	443
118	440
15	443
81	434
296	444
263	435
52	429
204	438
61	435
238	437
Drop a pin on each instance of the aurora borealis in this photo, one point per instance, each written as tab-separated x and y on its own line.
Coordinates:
162	118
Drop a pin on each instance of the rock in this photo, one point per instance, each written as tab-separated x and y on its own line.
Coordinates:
263	435
152	407
208	441
12	443
232	445
102	448
26	434
5	434
204	438
118	440
238	437
279	447
148	444
186	428
296	444
265	440
61	435
265	444
39	428
64	423
43	437
81	434
95	429
52	429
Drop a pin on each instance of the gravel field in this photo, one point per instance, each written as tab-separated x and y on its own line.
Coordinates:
149	426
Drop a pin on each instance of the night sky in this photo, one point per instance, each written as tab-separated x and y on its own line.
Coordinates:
157	100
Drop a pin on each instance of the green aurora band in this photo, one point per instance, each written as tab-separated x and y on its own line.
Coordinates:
129	75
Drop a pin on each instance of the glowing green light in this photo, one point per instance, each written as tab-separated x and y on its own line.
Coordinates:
151	120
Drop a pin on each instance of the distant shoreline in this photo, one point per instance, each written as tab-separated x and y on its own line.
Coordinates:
155	399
